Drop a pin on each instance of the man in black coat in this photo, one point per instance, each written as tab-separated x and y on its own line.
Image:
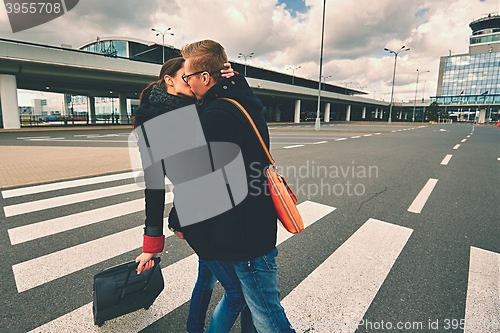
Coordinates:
241	240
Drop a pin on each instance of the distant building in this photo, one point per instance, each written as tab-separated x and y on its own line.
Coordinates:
469	84
131	48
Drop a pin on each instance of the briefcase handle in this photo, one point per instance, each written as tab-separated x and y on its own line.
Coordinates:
133	266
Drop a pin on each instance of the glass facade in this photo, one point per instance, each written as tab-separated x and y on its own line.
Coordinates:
485	39
471	79
112	48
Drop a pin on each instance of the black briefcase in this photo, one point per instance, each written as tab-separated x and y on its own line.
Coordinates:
120	290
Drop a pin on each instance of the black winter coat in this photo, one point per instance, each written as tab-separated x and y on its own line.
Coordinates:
157	102
249	229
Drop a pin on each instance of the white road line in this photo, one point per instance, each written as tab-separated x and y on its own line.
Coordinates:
342	288
72	140
483	291
320	142
64	223
468	136
33	137
49	139
63	185
368	135
421	199
355	137
498	158
446	159
456	147
341	139
179	281
296	146
377	133
57	264
463	140
34	206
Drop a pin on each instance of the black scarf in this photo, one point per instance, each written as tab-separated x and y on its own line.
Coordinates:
160	98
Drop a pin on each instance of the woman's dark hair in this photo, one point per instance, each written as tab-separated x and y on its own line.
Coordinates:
170	67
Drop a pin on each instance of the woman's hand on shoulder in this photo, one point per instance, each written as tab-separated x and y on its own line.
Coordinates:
228	71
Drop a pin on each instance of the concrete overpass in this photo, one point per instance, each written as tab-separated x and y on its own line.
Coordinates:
61	70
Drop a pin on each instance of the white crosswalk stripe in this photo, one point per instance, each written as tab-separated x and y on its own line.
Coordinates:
349	279
70	260
34	206
65	185
482	308
64	223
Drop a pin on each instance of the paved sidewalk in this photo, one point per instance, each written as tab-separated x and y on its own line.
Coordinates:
24	165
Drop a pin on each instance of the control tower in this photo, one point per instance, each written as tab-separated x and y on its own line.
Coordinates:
485	34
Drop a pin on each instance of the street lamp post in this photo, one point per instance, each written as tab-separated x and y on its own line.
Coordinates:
245	56
415	100
293	71
346	84
394	77
162	33
324	81
317	123
423	92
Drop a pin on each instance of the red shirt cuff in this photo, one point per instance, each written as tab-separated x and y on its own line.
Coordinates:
153	244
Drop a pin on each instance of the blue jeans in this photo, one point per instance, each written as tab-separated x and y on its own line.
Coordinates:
229	307
200	298
259	283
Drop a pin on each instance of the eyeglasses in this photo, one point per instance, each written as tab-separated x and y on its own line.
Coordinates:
186	77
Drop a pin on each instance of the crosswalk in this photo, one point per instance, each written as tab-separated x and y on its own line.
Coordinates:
334	297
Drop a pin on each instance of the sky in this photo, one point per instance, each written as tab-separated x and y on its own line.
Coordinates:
287	33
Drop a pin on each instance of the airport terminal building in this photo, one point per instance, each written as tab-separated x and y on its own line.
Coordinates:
101	81
469	84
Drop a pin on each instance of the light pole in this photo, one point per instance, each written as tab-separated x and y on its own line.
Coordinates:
415	101
162	33
293	71
345	84
245	56
317	123
394	77
324	81
423	92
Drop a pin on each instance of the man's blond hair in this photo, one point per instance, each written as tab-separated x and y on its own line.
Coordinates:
206	55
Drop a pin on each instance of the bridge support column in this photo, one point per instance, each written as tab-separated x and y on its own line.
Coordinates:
382	114
348	113
92	109
296	118
277	113
376	113
364	113
327	112
123	110
9	108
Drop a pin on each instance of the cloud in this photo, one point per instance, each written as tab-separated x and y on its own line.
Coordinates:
356	33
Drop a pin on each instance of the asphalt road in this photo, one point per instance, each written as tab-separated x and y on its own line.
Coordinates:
378	249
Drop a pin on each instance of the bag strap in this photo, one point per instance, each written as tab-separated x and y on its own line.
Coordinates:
242	109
